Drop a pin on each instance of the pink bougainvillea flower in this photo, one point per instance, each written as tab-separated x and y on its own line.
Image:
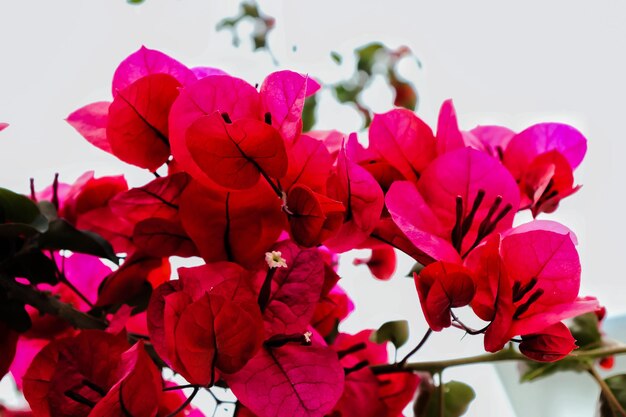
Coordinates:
308	380
282	96
461	198
313	217
91	122
362	198
238	226
382	262
442	286
522	294
310	164
404	141
548	179
208	320
236	154
375	163
145	62
93	374
549	345
449	137
492	140
542	159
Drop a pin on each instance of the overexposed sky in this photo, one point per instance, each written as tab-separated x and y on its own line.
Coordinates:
504	62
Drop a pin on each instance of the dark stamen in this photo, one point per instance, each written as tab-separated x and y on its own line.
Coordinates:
522	291
268	118
356	367
79	398
457	231
467	223
55	191
226	118
352	349
500	152
32	190
94	387
487	220
501	216
524	307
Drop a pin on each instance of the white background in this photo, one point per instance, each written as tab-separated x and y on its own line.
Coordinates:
511	63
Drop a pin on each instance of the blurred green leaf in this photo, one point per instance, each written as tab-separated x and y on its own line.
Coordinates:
47	209
396	332
15	208
617	384
309	113
417	268
366	57
62	235
336	57
586	331
536	370
457	398
135	1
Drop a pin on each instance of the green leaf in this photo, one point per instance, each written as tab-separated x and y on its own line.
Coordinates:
617	384
586	331
336	57
14	314
367	56
396	332
135	1
536	370
62	235
417	268
15	208
48	209
457	398
308	113
32	265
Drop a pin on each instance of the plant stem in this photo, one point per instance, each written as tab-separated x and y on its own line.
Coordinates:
418	347
504	355
616	407
49	304
441	393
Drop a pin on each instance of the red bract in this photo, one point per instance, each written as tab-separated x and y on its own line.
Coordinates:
208	320
163	238
218	93
309	164
461	198
382	262
92	374
295	290
362	198
237	226
293	380
331	310
404	141
283	95
542	159
159	198
313	217
524	294
236	154
442	286
91	122
551	344
137	122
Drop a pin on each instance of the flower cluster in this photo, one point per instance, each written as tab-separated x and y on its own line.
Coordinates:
269	208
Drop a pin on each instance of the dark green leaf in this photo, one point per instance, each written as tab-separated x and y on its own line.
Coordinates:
536	370
367	57
13	313
62	235
336	57
457	398
617	384
135	1
15	208
417	268
396	332
48	209
585	329
32	265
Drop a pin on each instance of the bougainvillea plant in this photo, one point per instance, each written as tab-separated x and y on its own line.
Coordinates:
91	311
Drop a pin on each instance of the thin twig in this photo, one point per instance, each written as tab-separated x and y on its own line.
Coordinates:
606	391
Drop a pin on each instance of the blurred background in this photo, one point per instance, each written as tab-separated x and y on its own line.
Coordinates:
503	62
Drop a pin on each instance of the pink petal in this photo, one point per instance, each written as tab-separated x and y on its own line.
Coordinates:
491	139
91	122
293	380
403	140
283	94
554	314
541	138
202	72
449	136
146	62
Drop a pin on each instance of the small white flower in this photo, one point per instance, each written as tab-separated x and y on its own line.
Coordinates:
274	259
307	337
